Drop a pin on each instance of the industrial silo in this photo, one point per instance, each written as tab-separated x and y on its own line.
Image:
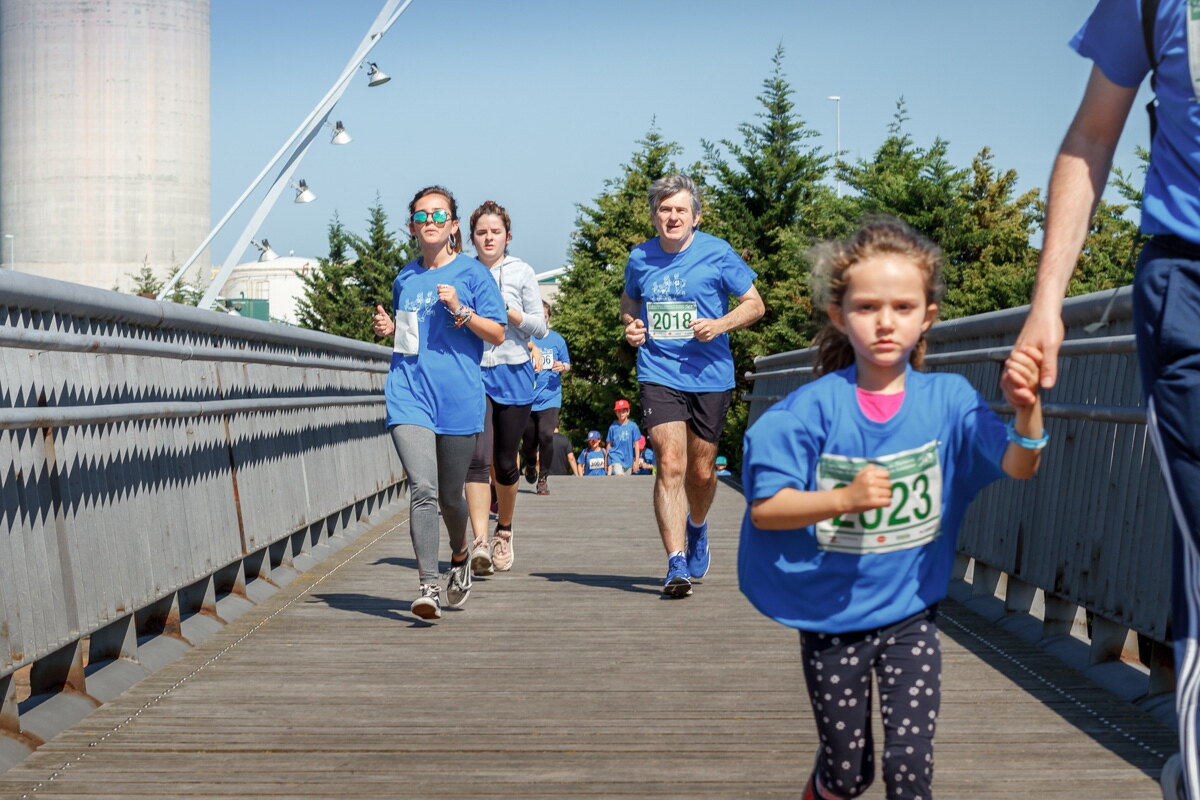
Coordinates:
104	136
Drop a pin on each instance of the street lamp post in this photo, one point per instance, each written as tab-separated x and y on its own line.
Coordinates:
837	99
11	261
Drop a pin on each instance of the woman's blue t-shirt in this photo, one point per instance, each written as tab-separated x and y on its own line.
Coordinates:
435	380
547	392
510	384
864	571
674	289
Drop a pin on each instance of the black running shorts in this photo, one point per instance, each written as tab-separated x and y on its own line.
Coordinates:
704	412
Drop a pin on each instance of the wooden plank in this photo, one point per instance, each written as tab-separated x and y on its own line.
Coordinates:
569	676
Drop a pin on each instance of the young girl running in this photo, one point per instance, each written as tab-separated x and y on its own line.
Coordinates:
857	484
508	380
447	306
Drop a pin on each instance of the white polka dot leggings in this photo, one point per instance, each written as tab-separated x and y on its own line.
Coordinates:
907	660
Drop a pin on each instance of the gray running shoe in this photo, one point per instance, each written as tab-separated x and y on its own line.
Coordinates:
429	604
1172	779
458	583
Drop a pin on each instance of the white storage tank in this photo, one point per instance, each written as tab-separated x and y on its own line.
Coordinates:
104	136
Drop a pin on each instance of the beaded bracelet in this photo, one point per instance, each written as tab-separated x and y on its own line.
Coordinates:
1026	443
463	316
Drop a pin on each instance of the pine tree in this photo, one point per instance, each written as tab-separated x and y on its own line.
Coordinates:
771	204
340	295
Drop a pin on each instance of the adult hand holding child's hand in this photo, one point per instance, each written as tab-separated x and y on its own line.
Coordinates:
1019	381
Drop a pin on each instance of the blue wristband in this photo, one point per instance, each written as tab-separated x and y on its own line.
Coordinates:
1021	441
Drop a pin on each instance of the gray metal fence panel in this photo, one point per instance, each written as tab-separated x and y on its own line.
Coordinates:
145	446
1094	526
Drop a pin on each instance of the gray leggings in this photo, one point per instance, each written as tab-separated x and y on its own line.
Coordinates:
436	465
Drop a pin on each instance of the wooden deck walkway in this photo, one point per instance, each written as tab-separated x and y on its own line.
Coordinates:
568	677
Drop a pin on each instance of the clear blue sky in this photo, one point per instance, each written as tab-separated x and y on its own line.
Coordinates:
534	103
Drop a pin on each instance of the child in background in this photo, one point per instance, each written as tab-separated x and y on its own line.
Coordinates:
857	484
723	467
645	465
593	460
623	436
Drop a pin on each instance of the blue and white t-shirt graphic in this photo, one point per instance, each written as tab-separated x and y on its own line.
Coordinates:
409	319
671	287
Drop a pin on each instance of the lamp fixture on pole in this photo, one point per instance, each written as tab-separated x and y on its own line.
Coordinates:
837	99
265	248
303	193
291	153
339	133
375	76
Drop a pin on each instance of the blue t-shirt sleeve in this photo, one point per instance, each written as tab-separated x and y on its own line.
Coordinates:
779	452
631	277
1112	38
736	276
985	438
565	357
488	302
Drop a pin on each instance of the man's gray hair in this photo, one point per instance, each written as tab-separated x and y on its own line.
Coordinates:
669	185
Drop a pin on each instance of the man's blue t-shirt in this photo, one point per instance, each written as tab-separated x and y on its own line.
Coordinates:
620	440
435	380
593	462
1112	38
863	571
547	392
675	289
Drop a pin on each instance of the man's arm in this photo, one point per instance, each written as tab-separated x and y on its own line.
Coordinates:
635	329
748	311
1076	185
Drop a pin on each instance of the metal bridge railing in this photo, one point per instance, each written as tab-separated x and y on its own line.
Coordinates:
1086	545
159	467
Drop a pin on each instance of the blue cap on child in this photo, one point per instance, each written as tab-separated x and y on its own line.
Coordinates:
593	434
721	461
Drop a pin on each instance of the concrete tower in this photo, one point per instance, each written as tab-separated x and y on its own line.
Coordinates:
104	136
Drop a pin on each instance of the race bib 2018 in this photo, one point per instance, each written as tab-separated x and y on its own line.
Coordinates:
671	320
914	517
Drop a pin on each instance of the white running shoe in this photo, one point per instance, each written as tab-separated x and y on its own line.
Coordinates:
429	604
481	559
502	550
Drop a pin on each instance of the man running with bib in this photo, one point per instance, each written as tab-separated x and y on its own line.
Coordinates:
676	312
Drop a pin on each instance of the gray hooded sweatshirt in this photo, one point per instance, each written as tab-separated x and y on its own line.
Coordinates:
519	287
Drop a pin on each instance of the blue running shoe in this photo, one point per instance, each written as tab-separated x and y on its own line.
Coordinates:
678	582
697	549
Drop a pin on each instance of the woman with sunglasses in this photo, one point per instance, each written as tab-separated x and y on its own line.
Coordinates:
447	307
508	378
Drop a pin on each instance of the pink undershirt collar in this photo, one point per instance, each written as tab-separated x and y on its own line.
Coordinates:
879	407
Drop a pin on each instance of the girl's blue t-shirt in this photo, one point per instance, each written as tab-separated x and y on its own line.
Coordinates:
620	439
1112	38
510	384
547	392
435	380
593	462
675	288
864	571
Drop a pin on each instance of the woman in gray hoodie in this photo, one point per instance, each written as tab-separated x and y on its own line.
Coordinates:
508	381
